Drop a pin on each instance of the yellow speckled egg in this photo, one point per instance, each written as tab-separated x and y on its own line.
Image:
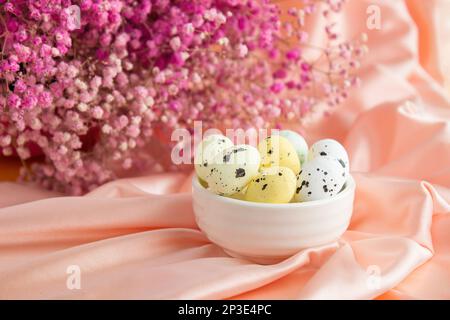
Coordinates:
272	185
278	151
238	196
203	183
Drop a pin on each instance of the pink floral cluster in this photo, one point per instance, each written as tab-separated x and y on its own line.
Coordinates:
92	96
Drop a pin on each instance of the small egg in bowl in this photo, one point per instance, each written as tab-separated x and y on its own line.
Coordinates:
269	233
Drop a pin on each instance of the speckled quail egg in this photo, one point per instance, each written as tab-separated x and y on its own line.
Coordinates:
206	151
330	148
272	185
238	196
233	169
320	178
298	142
278	151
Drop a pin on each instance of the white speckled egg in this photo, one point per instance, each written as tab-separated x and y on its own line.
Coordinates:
206	152
298	142
272	185
320	178
330	148
233	169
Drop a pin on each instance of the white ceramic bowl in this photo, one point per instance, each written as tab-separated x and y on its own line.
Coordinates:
268	233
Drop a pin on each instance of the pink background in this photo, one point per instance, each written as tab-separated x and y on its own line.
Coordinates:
137	238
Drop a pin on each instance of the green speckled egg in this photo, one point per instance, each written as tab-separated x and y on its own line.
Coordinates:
298	142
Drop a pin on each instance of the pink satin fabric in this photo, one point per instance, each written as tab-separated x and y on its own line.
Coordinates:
137	238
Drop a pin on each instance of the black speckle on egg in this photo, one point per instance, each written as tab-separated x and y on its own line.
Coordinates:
264	186
298	190
342	163
325	188
270	151
309	193
205	164
240	172
323	153
257	180
318	169
303	184
280	174
226	157
238	150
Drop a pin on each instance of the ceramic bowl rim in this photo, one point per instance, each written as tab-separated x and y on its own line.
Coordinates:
350	187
